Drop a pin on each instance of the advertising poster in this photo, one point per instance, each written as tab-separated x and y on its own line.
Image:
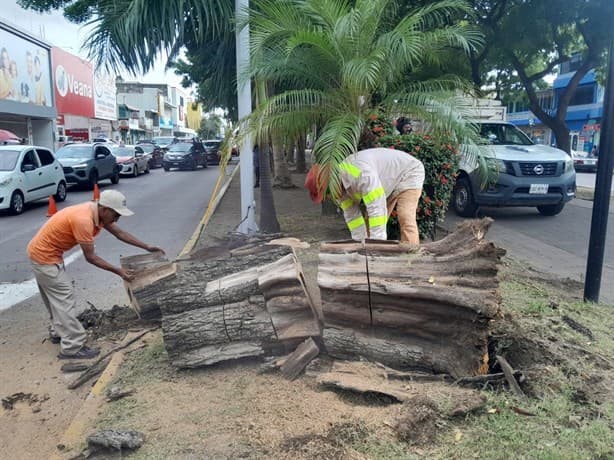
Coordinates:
105	101
24	71
73	83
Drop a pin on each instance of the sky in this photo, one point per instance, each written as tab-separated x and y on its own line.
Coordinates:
53	28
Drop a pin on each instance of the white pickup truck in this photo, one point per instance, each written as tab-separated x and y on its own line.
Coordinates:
528	174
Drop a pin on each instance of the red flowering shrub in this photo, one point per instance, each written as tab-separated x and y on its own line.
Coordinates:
440	159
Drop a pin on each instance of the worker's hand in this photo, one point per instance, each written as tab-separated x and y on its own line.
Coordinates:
127	275
155	249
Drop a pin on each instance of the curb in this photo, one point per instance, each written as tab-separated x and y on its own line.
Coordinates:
74	434
211	207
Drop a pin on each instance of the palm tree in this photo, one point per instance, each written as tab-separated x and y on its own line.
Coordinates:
340	61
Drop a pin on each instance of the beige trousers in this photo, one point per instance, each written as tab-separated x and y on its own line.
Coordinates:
55	287
406	204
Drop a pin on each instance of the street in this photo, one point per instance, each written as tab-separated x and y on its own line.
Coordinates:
167	206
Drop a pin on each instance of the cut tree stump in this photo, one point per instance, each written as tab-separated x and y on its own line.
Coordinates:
426	309
232	301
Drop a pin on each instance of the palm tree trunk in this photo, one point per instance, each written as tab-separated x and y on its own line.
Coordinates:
268	216
281	177
301	145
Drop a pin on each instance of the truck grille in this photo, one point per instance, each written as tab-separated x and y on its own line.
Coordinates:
533	169
67	169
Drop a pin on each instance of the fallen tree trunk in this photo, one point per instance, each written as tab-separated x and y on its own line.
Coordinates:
426	309
231	301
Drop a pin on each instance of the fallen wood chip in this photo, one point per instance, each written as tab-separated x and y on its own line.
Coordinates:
9	402
290	241
509	376
480	379
115	393
115	439
73	367
576	326
520	411
299	358
98	366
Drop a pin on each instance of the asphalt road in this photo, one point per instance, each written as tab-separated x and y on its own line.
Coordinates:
556	245
167	206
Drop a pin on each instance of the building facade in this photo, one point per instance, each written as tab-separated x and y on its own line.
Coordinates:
583	115
27	105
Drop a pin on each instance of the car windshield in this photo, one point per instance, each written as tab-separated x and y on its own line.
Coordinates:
163	140
74	152
123	151
212	144
147	148
501	134
180	147
8	159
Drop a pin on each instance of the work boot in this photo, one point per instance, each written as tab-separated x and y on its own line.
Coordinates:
55	339
84	352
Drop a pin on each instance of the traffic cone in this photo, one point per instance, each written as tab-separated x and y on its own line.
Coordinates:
96	192
52	209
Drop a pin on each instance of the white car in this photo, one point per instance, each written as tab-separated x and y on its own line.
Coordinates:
132	160
29	173
582	161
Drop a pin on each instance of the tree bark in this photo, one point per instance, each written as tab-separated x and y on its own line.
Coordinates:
301	145
426	309
281	177
268	215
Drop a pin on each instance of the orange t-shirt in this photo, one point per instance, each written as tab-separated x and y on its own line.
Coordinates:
63	231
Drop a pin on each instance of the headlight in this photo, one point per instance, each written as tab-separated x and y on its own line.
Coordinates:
6	181
497	165
80	165
569	165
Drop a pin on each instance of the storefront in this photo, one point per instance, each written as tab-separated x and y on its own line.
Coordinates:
26	102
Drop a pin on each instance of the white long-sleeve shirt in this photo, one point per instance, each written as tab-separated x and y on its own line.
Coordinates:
371	176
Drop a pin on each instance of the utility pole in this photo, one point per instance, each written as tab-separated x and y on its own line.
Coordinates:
244	94
603	185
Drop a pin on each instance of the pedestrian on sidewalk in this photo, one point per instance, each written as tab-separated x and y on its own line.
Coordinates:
78	224
256	152
381	179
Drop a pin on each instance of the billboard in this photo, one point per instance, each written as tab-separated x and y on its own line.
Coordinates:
105	100
24	71
73	80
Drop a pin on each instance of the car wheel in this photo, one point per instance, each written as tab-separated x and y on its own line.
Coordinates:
551	209
60	195
205	163
17	203
93	180
115	177
166	168
193	165
147	169
135	171
463	202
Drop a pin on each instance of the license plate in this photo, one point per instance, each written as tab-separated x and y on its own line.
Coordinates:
538	189
175	164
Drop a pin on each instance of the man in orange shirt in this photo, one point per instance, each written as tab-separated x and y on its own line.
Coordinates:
78	224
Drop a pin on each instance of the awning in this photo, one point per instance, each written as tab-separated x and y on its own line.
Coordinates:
129	107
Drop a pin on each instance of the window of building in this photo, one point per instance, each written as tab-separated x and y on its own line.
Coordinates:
584	95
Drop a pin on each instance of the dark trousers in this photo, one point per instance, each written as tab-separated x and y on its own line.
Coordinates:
257	173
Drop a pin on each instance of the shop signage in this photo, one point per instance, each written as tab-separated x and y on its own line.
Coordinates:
73	83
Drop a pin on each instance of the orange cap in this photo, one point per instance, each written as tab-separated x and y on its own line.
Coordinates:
313	183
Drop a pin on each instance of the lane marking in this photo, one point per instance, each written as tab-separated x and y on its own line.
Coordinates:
13	293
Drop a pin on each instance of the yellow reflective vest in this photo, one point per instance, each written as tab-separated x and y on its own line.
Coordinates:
372	176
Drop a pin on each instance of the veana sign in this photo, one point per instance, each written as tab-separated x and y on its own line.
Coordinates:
24	71
73	84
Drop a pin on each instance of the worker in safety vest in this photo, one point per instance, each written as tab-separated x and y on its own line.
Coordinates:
381	178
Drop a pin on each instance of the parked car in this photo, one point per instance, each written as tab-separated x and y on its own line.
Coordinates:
154	151
164	142
527	174
212	149
131	159
87	164
583	162
29	173
186	155
104	140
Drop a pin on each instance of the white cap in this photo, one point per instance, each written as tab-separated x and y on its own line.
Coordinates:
116	201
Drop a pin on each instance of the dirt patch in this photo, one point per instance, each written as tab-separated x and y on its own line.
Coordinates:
418	421
9	402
